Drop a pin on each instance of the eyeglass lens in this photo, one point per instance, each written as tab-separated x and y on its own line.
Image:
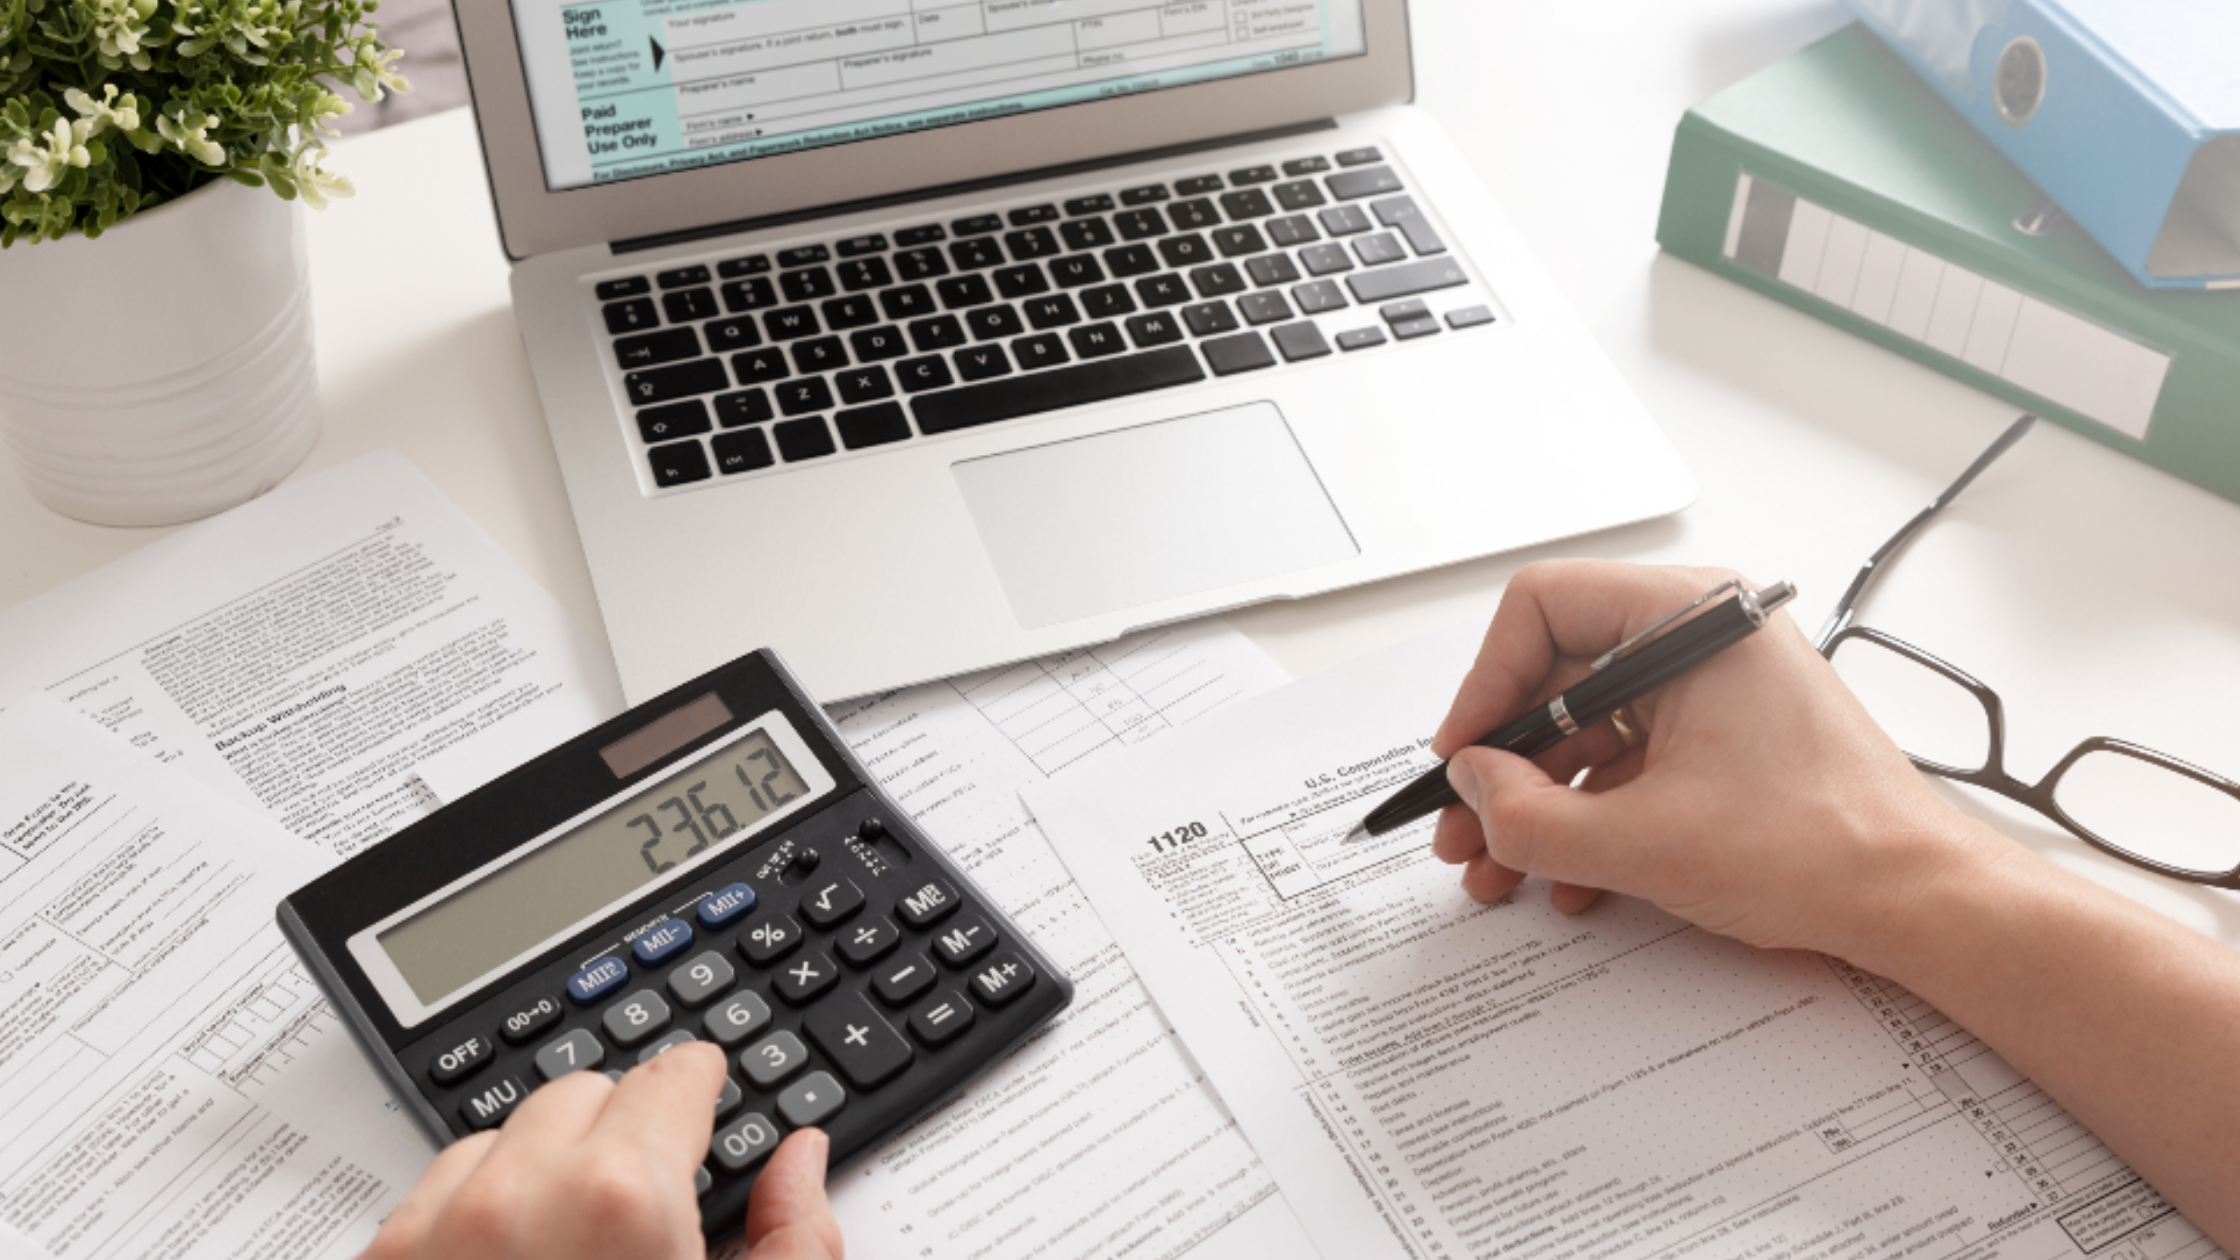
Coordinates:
2152	811
1930	716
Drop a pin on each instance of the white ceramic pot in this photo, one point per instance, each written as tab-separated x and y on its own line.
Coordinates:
163	372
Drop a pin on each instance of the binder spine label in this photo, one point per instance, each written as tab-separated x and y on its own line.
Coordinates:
2065	359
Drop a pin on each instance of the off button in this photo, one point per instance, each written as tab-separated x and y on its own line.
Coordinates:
460	1060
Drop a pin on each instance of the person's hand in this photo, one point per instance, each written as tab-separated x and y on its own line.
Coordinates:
592	1169
1762	803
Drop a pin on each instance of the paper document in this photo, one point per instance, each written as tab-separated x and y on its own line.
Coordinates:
307	652
171	1084
1100	1137
1432	1078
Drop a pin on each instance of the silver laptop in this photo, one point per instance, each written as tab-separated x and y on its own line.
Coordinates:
914	336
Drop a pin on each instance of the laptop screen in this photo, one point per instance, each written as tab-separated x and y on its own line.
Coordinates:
621	89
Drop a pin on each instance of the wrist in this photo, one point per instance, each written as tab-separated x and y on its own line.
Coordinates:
1924	876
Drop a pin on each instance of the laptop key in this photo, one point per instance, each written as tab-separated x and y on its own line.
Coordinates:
1406	280
789	323
1359	157
748	406
860	274
1361	338
1158	291
757	367
628	286
864	384
921	264
1219	280
822	354
872	426
742	452
1344	220
656	348
1043	350
908	302
1240	240
1264	308
873	344
919	375
1198	186
1244	352
1398	312
751	265
960	292
1087	234
1374	181
975	254
1185	251
1272	269
1376	251
1299	341
1141	224
684	277
1320	296
982	363
1292	230
939	333
1109	301
625	317
1193	216
803	256
803	439
807	285
1021	281
1143	194
857	310
1410	329
1075	270
993	323
1208	319
678	463
858	246
1097	203
977	225
678	380
1306	166
1156	329
1071	386
671	421
687	305
1033	243
1404	214
1253	175
1325	260
1250	203
799	398
1130	260
1097	341
910	238
1055	311
734	332
741	296
1469	317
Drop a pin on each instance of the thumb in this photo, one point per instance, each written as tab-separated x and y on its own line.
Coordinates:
788	1217
1538	826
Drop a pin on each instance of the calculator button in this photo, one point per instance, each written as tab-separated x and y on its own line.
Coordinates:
697	982
860	1040
869	941
832	900
962	942
572	1053
773	1059
1003	979
813	1099
806	978
903	978
678	1038
527	1022
929	903
769	937
702	1182
614	1075
460	1060
728	1101
598	980
489	1109
726	903
663	943
744	1142
635	1018
739	1017
942	1020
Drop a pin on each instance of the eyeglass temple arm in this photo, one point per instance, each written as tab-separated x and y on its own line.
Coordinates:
1841	616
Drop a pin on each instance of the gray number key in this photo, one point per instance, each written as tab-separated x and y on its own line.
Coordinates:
811	1100
678	1038
635	1018
773	1059
737	1018
699	981
744	1142
573	1053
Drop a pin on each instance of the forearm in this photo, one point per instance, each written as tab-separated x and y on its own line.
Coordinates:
2127	1019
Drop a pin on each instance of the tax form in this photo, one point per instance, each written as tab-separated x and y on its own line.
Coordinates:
1432	1078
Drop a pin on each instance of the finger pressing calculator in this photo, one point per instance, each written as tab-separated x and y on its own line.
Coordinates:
713	865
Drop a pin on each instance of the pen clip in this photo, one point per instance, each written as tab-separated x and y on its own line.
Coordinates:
1610	657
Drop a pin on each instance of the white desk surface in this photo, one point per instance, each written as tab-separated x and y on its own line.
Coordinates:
2100	597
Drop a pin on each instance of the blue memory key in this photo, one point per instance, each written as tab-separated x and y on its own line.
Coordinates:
597	980
726	904
663	943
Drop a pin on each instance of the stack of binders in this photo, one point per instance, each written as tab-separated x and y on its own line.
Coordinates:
1841	182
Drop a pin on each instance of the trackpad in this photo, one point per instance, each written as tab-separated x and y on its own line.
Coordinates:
1136	516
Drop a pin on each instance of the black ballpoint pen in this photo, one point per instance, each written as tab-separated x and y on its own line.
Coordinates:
1621	676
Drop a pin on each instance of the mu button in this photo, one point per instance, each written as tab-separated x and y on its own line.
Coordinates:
489	1109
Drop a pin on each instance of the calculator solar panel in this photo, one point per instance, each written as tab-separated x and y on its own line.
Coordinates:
713	865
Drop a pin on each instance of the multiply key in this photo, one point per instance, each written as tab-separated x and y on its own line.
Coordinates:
867	1048
803	979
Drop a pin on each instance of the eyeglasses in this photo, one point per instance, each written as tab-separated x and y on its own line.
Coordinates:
2147	808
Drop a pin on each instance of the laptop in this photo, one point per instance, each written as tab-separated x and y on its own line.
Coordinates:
913	337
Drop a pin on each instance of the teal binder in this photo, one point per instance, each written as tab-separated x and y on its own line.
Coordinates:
1836	182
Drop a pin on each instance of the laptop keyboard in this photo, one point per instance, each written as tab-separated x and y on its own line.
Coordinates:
748	363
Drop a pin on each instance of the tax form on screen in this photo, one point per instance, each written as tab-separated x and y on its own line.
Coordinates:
1428	1077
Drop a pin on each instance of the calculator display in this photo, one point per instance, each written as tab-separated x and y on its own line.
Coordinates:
705	808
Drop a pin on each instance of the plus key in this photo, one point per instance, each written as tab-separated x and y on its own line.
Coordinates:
867	1048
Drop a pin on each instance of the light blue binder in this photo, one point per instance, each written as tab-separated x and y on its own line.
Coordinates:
2126	112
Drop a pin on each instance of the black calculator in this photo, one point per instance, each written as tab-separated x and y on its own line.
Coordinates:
713	865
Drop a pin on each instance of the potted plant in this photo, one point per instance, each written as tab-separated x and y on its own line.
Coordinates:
155	326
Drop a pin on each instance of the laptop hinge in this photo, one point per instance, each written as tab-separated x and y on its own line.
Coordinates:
966	186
